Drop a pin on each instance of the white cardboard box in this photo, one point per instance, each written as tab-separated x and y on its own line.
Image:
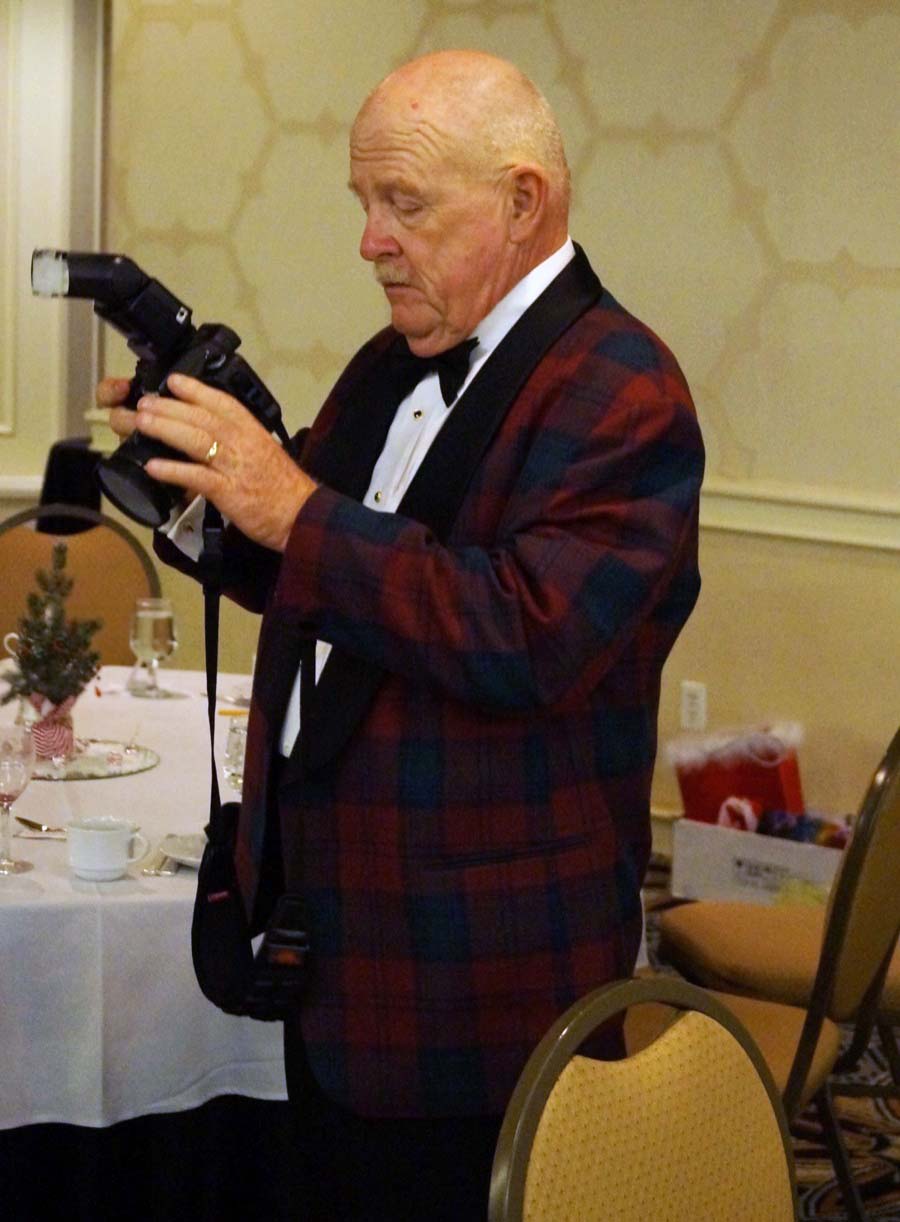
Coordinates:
711	862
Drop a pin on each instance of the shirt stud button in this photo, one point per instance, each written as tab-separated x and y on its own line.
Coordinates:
417	414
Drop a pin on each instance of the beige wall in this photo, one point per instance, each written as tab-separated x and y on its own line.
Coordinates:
734	169
799	630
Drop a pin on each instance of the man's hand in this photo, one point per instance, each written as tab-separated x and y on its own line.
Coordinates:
233	461
112	392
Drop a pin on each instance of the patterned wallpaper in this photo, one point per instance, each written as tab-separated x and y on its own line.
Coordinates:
735	170
734	167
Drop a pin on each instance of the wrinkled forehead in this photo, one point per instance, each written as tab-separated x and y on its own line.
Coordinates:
410	122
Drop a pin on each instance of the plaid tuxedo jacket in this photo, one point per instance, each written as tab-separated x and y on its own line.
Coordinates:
467	814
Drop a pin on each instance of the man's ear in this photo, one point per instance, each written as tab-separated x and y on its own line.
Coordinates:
528	201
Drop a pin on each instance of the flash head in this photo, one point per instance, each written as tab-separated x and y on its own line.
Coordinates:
109	280
50	273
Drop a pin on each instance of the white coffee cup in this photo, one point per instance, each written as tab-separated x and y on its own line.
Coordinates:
100	847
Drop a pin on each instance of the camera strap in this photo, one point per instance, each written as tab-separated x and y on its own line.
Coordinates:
266	985
211	566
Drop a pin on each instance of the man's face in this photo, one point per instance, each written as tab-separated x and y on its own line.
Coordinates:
434	231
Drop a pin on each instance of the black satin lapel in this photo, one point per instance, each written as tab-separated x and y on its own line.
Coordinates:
278	656
279	651
439	485
348	684
345	459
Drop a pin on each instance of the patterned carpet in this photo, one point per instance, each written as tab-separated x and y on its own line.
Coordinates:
871	1129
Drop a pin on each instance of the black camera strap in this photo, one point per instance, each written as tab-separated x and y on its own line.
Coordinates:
266	985
211	564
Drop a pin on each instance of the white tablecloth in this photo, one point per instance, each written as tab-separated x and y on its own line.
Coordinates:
101	1018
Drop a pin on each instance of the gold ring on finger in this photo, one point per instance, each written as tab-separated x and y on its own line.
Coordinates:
211	453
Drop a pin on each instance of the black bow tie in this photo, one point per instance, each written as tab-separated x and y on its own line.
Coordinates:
451	367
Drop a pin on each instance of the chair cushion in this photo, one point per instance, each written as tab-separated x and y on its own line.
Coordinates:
776	1030
746	948
774	1027
755	949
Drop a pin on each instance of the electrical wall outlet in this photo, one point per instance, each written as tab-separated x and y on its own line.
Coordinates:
693	705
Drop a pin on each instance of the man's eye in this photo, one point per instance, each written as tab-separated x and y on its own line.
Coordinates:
407	206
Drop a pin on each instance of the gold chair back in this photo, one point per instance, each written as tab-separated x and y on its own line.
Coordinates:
864	907
110	567
690	1126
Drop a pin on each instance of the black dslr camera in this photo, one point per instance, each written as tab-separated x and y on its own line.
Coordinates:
159	331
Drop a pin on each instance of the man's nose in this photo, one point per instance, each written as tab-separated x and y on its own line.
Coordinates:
377	238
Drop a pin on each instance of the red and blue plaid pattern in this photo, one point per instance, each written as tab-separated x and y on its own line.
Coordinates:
471	860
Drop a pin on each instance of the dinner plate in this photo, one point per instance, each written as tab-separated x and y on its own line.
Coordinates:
97	759
186	850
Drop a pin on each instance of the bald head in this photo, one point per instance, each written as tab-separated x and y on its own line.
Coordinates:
490	112
458	163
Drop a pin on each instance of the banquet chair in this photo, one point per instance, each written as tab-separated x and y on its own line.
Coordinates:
110	567
690	1126
792	977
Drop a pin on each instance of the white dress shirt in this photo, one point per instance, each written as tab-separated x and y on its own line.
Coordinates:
418	420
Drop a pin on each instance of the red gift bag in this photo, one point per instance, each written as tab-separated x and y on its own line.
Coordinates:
758	763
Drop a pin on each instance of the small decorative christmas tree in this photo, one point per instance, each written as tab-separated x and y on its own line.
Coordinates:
53	655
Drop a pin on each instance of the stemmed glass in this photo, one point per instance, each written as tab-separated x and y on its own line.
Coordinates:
16	765
152	639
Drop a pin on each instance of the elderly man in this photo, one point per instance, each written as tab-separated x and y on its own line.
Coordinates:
494	570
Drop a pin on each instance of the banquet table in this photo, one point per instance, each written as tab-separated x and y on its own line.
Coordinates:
101	1017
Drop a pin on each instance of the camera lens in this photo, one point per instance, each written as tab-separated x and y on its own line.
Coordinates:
124	480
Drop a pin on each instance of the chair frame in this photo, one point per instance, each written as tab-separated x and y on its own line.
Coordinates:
835	932
824	984
561	1043
60	510
823	990
889	1047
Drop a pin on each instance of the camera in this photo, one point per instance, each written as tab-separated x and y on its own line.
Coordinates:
158	330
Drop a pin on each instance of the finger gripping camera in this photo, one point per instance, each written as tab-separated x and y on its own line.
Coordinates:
158	329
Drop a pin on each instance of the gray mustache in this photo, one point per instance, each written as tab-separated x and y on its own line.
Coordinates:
385	274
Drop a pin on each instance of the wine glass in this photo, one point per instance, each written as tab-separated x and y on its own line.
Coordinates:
16	764
152	639
235	749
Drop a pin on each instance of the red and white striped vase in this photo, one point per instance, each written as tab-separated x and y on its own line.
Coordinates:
52	731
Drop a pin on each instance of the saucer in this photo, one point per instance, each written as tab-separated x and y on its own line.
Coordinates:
98	875
186	850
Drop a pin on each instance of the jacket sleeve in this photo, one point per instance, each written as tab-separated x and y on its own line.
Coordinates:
600	526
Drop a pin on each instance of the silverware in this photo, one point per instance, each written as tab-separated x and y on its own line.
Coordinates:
39	827
160	863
